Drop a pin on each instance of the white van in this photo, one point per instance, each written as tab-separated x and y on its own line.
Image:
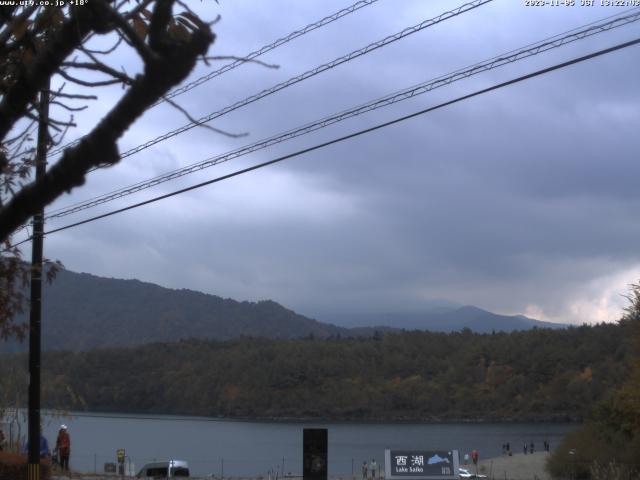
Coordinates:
166	469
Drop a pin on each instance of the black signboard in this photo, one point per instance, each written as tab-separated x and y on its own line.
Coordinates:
314	461
421	464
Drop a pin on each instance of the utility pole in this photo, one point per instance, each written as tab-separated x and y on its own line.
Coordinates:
33	470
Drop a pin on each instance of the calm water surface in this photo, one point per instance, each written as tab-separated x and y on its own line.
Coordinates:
232	448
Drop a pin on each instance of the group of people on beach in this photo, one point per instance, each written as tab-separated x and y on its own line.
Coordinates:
369	470
526	448
475	455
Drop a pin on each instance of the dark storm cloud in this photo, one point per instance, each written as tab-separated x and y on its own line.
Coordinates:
520	201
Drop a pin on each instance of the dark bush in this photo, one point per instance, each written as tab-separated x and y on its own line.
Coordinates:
13	466
588	454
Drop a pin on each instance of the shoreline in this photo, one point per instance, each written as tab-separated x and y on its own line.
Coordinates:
515	467
558	420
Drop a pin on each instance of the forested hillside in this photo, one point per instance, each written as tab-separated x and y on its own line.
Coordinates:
533	375
82	311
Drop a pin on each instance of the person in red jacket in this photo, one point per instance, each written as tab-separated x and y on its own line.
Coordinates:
63	445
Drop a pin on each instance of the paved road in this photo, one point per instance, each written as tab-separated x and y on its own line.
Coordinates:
516	467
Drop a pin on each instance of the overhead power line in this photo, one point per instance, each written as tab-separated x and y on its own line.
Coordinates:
267	48
495	62
310	73
352	135
248	57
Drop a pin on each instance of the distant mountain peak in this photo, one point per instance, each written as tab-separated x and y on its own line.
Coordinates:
83	311
455	319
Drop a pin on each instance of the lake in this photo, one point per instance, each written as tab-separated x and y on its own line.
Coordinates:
238	448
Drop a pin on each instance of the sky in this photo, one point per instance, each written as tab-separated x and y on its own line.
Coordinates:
523	200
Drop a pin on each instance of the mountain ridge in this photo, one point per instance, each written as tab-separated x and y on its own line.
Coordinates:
454	319
82	311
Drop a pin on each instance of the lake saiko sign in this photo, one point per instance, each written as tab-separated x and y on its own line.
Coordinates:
421	464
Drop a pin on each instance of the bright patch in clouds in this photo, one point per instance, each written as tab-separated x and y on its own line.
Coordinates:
603	299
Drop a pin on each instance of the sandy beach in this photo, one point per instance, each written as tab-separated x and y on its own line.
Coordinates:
516	467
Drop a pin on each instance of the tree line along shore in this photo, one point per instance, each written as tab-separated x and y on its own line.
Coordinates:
536	375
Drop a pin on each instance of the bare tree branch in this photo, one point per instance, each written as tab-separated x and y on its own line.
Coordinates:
9	141
86	83
53	122
103	52
160	19
171	63
73	96
67	107
55	142
146	53
22	153
200	124
100	67
241	59
48	60
97	61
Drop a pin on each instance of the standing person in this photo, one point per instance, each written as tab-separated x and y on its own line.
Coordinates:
531	447
373	466
44	447
63	445
365	470
525	448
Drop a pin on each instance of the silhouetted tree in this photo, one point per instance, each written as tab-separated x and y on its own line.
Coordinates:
41	43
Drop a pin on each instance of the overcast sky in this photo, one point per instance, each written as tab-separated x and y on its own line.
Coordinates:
524	200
